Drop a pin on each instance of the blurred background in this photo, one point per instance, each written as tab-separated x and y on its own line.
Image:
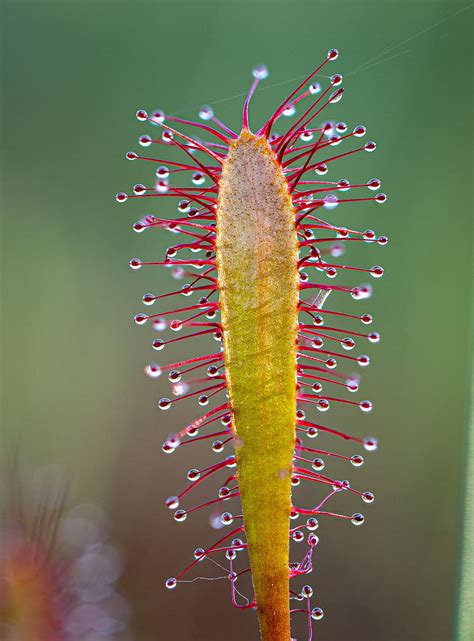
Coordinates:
74	393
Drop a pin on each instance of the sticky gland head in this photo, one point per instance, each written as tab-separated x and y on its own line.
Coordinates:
257	256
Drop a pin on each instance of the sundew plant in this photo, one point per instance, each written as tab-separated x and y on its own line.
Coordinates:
259	241
58	572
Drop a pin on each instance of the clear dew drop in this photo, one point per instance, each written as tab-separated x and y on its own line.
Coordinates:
289	111
357	519
164	403
323	405
145	141
368	497
318	464
313	540
317	614
176	325
357	460
348	343
352	382
359	131
373	184
227	518
303	277
174	376
153	370
224	492
217	447
171	583
172	502
173	441
157	117
162	172
139	227
312	524
198	178
180	516
121	197
199	553
298	536
158	344
148	299
206	112
366	406
193	475
139	189
180	388
141	115
231	461
260	72
184	206
374	337
363	360
333	54
314	88
370	444
370	146
140	319
376	271
167	448
344	184
178	273
328	128
317	342
321	169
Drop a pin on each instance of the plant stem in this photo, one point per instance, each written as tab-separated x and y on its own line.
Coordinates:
465	601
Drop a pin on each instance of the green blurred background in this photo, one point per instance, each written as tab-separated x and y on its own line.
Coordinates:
74	393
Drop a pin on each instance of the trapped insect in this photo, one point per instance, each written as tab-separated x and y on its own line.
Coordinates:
261	262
